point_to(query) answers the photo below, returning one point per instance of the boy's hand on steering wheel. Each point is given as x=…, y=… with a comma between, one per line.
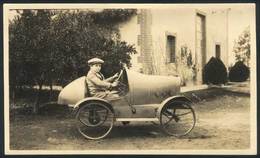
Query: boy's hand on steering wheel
x=115, y=84
x=115, y=76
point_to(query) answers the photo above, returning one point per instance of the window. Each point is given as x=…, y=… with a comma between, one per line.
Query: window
x=171, y=48
x=217, y=50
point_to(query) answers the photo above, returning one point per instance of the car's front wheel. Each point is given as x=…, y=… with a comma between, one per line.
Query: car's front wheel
x=177, y=118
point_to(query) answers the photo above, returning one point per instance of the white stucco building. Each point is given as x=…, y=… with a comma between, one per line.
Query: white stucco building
x=159, y=35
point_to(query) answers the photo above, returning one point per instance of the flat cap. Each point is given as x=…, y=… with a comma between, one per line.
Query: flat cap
x=95, y=61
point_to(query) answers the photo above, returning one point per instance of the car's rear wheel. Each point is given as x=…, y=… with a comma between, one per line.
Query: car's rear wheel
x=177, y=118
x=94, y=120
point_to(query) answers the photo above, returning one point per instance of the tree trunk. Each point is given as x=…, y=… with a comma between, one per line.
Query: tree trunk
x=13, y=95
x=36, y=105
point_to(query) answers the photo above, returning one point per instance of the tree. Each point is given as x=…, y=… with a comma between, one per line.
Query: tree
x=81, y=35
x=30, y=49
x=52, y=46
x=242, y=47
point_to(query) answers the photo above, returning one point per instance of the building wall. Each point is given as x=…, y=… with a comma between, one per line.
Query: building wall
x=177, y=22
x=149, y=29
x=217, y=33
x=129, y=32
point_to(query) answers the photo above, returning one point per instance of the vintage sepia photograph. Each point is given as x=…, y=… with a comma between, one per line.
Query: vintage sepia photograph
x=153, y=79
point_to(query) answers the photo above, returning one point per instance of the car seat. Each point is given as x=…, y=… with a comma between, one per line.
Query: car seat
x=87, y=93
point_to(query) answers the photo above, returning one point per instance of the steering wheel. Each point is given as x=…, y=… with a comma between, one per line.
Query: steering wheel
x=121, y=86
x=119, y=76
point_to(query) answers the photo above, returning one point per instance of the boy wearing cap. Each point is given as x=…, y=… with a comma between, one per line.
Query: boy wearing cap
x=98, y=86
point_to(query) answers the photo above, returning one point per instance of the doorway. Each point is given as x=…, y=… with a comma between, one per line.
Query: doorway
x=200, y=46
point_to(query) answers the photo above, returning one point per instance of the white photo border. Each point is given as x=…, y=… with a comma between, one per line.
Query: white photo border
x=253, y=96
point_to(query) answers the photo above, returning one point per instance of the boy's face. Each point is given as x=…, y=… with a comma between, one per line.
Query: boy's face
x=96, y=67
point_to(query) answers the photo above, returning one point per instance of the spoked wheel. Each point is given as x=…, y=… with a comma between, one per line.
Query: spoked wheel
x=177, y=118
x=94, y=120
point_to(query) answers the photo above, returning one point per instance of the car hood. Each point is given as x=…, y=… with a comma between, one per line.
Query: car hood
x=150, y=89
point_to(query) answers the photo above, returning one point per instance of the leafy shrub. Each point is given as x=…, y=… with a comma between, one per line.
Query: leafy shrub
x=51, y=47
x=239, y=72
x=215, y=72
x=185, y=66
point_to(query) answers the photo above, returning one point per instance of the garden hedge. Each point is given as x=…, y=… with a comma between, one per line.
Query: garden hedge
x=215, y=72
x=239, y=72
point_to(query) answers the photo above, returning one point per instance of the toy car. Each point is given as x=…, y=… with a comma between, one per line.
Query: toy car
x=143, y=98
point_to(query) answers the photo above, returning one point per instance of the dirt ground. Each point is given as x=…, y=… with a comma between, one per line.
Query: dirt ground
x=223, y=122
